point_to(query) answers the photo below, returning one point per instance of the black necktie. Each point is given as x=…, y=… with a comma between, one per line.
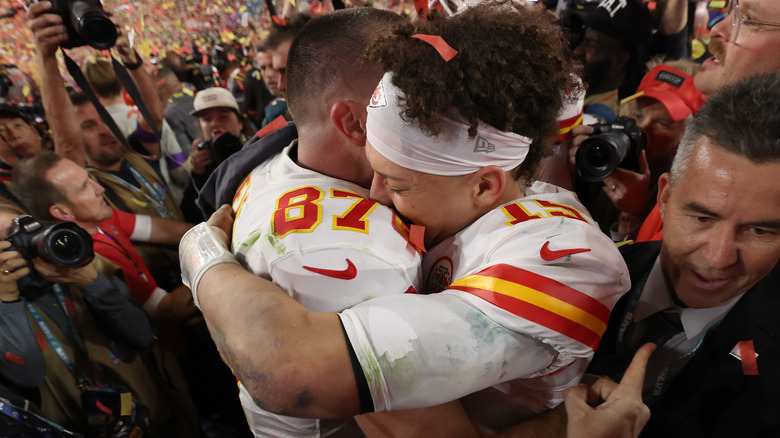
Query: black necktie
x=661, y=327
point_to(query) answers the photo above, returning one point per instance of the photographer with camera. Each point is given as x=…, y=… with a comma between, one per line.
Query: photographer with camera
x=55, y=188
x=81, y=135
x=618, y=164
x=90, y=330
x=224, y=132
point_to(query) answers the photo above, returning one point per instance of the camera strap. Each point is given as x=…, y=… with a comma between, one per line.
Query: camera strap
x=129, y=85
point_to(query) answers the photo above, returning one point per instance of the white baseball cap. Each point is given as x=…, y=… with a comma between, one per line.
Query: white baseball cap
x=214, y=97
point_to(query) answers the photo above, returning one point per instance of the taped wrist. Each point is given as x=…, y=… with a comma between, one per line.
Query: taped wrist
x=200, y=249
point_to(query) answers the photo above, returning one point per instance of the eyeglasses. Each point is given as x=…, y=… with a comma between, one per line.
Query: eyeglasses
x=737, y=20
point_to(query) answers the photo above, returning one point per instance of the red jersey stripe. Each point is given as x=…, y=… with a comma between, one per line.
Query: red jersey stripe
x=550, y=287
x=537, y=315
x=541, y=300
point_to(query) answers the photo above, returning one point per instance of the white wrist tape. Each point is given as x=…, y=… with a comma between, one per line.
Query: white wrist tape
x=199, y=250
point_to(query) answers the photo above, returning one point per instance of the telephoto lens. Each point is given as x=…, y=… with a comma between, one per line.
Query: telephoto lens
x=612, y=145
x=63, y=244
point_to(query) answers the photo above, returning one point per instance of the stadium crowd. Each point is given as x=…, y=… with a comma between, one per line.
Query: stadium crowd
x=352, y=218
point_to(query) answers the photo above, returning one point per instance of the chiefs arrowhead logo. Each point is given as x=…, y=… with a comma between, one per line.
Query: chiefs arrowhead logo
x=378, y=99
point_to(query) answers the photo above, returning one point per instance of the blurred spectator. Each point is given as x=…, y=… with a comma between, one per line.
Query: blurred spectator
x=97, y=332
x=742, y=45
x=178, y=104
x=17, y=87
x=260, y=87
x=611, y=40
x=20, y=138
x=191, y=70
x=670, y=39
x=278, y=43
x=228, y=60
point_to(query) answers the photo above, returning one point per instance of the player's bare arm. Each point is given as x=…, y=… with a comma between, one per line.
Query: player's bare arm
x=258, y=329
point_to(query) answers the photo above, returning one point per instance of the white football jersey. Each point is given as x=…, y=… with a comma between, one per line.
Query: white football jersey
x=327, y=245
x=527, y=292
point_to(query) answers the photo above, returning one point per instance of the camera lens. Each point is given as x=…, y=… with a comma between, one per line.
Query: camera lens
x=98, y=30
x=67, y=245
x=224, y=146
x=598, y=155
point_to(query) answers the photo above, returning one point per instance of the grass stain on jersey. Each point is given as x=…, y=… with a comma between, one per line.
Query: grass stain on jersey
x=252, y=238
x=276, y=244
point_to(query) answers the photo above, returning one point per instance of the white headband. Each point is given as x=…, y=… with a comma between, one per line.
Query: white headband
x=450, y=153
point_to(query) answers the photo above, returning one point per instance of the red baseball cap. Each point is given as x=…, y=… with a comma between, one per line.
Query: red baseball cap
x=674, y=89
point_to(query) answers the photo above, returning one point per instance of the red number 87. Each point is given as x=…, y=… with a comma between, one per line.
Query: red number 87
x=300, y=211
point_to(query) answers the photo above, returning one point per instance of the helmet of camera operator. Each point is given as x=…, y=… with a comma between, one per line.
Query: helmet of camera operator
x=11, y=112
x=673, y=88
x=214, y=97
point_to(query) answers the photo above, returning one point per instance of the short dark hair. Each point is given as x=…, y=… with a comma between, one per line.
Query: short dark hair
x=328, y=54
x=35, y=192
x=78, y=98
x=511, y=71
x=101, y=77
x=742, y=118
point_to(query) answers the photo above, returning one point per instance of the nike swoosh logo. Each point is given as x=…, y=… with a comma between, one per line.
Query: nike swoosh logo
x=548, y=254
x=344, y=274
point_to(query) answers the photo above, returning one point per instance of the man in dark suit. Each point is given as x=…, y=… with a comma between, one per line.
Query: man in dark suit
x=708, y=294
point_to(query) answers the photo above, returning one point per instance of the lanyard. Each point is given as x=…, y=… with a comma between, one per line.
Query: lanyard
x=152, y=196
x=118, y=245
x=55, y=344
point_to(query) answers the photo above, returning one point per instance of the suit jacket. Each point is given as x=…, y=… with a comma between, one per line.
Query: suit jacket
x=711, y=397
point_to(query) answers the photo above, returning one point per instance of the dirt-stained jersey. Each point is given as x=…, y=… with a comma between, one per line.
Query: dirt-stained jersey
x=325, y=243
x=527, y=292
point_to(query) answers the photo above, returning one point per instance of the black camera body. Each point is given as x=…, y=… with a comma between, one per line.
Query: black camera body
x=87, y=23
x=200, y=76
x=222, y=147
x=63, y=244
x=611, y=145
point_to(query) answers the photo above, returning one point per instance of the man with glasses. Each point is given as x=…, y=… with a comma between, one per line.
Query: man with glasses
x=747, y=42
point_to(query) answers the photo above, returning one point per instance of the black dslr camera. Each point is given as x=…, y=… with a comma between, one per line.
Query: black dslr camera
x=87, y=23
x=63, y=244
x=611, y=145
x=222, y=147
x=200, y=76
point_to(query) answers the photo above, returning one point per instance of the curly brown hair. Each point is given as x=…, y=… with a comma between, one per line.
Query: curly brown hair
x=510, y=72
